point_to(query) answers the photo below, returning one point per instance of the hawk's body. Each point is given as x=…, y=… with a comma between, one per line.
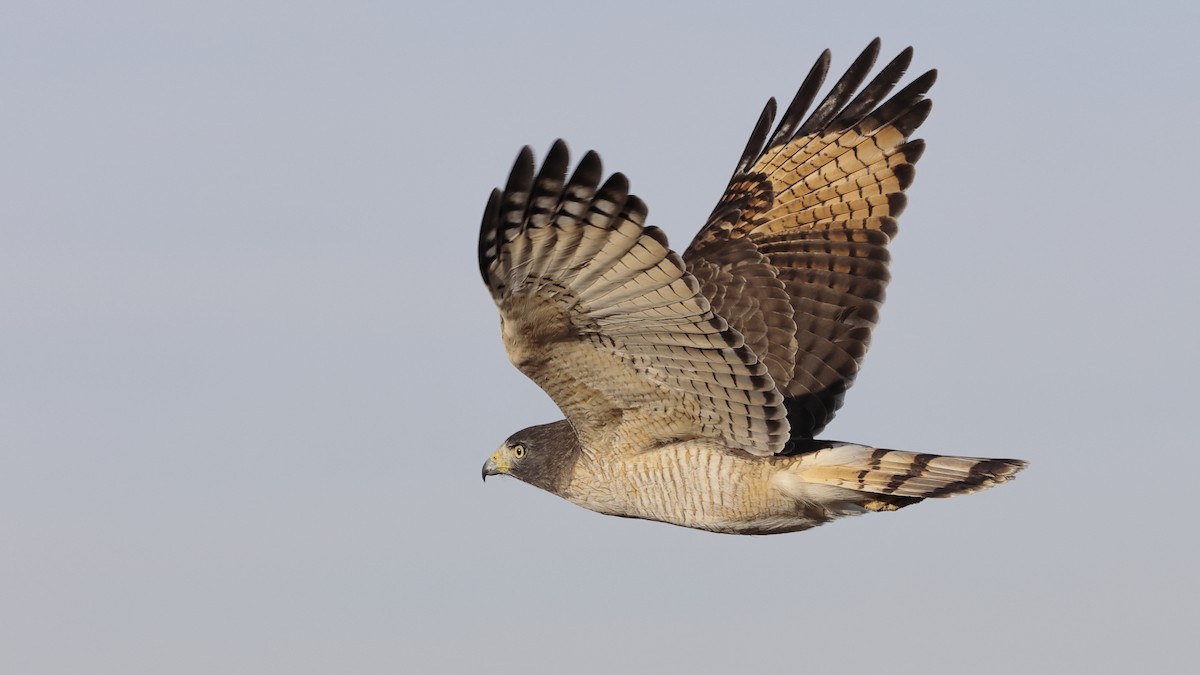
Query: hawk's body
x=702, y=484
x=693, y=386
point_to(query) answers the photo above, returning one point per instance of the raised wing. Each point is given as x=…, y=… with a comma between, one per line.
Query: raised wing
x=601, y=314
x=795, y=254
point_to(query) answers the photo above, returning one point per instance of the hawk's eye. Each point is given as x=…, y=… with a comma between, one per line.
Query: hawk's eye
x=518, y=451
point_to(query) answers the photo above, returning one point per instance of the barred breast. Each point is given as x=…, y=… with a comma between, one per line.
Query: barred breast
x=695, y=484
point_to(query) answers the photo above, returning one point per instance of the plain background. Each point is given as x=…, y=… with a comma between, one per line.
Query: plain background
x=248, y=373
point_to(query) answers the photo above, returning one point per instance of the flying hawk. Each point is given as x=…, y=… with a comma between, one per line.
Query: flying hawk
x=694, y=386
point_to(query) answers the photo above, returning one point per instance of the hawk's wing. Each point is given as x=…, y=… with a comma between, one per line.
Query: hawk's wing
x=597, y=310
x=795, y=254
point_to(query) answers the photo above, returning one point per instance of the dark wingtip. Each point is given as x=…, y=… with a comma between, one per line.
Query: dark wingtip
x=657, y=235
x=821, y=65
x=617, y=183
x=557, y=159
x=842, y=90
x=635, y=209
x=873, y=48
x=909, y=121
x=521, y=175
x=554, y=167
x=487, y=233
x=913, y=150
x=525, y=156
x=589, y=170
x=754, y=146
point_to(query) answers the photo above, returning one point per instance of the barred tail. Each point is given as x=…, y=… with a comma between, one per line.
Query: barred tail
x=890, y=479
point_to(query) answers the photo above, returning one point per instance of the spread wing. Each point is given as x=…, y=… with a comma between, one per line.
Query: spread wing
x=795, y=254
x=602, y=315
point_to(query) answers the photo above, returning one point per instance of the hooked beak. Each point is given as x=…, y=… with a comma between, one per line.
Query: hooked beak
x=490, y=468
x=500, y=462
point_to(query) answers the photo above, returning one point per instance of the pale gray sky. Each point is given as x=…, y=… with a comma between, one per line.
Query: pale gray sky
x=248, y=373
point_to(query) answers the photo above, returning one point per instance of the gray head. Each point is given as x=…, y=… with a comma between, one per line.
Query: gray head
x=543, y=456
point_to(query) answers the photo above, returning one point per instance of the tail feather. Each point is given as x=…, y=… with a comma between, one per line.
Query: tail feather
x=892, y=479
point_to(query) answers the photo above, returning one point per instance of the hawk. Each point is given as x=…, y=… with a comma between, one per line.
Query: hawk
x=693, y=387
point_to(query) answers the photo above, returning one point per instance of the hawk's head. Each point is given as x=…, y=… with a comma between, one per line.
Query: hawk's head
x=543, y=456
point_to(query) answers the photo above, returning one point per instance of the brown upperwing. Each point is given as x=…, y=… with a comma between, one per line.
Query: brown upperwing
x=795, y=254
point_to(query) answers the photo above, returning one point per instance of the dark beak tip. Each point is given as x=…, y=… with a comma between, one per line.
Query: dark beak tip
x=489, y=469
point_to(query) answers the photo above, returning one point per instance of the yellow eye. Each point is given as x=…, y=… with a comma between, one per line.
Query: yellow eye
x=518, y=451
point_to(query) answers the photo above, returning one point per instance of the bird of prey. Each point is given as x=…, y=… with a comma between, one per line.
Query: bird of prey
x=694, y=386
